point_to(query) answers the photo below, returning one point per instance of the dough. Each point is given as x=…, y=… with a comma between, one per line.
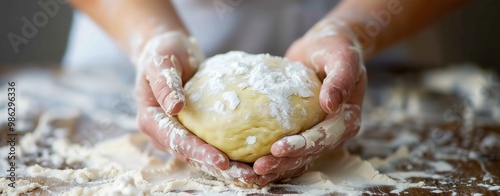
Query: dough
x=242, y=103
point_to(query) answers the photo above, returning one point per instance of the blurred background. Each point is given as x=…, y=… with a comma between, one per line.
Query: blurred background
x=450, y=111
x=471, y=34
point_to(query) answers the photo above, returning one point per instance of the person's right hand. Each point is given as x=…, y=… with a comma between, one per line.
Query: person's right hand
x=332, y=51
x=166, y=62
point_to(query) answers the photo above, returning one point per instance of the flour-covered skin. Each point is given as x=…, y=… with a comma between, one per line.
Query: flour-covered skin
x=293, y=153
x=168, y=60
x=173, y=137
x=245, y=102
x=333, y=52
x=165, y=62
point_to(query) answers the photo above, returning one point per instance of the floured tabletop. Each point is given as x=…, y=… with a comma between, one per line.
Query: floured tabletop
x=432, y=132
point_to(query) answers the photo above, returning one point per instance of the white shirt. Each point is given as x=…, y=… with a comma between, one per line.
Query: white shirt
x=257, y=26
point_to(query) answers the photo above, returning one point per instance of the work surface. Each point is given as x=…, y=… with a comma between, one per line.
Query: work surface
x=434, y=132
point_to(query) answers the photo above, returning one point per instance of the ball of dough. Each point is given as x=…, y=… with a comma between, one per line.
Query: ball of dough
x=242, y=103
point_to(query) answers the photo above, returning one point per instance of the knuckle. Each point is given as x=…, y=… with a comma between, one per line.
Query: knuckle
x=162, y=92
x=163, y=100
x=164, y=50
x=341, y=85
x=345, y=82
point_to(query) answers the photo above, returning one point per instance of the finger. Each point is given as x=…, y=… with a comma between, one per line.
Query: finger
x=180, y=157
x=157, y=145
x=149, y=129
x=243, y=172
x=237, y=171
x=164, y=62
x=336, y=57
x=338, y=85
x=166, y=84
x=352, y=108
x=172, y=135
x=312, y=141
x=342, y=66
x=270, y=164
x=177, y=138
x=266, y=179
x=144, y=96
x=194, y=151
x=327, y=132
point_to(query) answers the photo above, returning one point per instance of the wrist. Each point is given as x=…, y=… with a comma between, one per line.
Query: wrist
x=343, y=31
x=140, y=35
x=162, y=44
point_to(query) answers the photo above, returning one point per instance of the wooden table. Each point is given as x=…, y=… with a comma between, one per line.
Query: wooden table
x=445, y=131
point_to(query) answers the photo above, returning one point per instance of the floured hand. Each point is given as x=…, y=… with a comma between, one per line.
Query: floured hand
x=331, y=50
x=166, y=62
x=168, y=134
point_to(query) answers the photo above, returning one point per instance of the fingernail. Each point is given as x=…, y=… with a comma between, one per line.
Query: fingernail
x=173, y=102
x=333, y=102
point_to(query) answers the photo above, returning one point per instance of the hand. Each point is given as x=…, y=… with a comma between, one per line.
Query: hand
x=331, y=50
x=166, y=62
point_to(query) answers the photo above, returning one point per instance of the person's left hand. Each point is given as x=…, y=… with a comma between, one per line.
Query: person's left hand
x=331, y=50
x=168, y=60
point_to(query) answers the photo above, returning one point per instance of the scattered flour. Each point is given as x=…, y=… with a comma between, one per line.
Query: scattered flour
x=441, y=166
x=414, y=174
x=128, y=164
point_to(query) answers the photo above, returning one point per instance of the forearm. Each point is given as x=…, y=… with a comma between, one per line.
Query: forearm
x=379, y=23
x=132, y=22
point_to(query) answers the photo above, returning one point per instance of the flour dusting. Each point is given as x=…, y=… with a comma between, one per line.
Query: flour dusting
x=251, y=140
x=232, y=99
x=262, y=74
x=80, y=143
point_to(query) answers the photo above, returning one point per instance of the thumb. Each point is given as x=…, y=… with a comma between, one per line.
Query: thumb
x=168, y=60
